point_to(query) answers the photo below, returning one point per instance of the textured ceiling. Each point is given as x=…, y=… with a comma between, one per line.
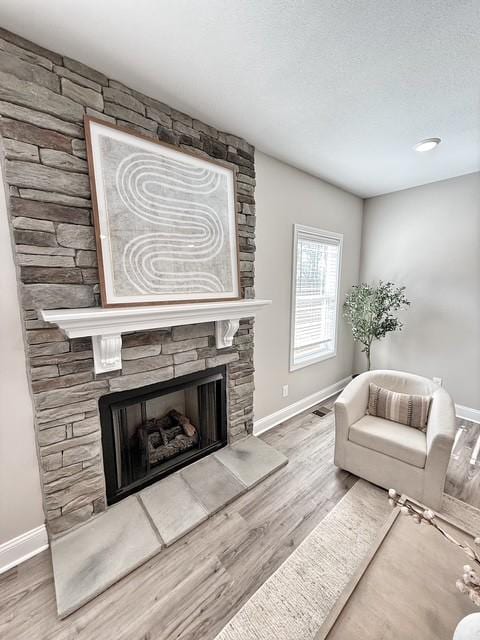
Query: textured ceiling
x=339, y=88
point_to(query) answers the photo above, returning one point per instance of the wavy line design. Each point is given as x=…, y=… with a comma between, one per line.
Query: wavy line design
x=175, y=199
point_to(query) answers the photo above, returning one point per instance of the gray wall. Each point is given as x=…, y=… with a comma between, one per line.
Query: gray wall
x=20, y=496
x=286, y=196
x=428, y=238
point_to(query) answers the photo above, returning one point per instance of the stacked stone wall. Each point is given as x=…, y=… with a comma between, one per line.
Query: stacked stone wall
x=43, y=99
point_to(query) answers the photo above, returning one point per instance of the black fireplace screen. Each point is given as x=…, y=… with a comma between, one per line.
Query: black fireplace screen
x=150, y=432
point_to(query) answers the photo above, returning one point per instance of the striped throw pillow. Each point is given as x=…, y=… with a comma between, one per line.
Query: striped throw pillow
x=399, y=407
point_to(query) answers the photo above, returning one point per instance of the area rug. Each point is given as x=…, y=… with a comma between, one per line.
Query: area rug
x=294, y=602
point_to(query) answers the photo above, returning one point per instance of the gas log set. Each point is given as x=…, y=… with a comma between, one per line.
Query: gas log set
x=163, y=438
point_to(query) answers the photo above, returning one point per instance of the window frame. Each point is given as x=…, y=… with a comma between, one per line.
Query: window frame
x=317, y=234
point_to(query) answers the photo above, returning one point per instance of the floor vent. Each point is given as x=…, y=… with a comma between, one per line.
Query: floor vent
x=322, y=412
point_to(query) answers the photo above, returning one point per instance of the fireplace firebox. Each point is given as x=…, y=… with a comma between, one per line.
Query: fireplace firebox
x=150, y=432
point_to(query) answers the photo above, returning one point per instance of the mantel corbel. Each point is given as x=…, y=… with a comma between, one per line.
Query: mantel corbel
x=107, y=352
x=224, y=332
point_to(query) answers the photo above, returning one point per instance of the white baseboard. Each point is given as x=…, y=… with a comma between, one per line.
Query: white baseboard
x=22, y=547
x=264, y=424
x=467, y=413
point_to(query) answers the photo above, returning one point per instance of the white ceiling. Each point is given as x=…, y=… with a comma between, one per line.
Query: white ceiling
x=339, y=88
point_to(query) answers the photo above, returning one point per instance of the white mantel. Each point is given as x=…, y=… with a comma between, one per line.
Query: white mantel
x=105, y=326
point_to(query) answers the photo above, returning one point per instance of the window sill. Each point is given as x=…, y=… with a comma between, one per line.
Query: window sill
x=307, y=363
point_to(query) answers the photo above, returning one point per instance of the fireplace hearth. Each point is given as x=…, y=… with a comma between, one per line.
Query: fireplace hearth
x=150, y=432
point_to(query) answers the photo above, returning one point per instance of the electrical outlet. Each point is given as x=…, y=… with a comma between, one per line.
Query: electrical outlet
x=438, y=381
x=285, y=390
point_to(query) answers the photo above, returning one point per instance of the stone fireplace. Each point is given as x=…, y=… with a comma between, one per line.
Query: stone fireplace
x=43, y=99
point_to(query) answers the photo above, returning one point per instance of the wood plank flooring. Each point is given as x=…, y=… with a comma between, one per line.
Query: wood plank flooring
x=190, y=590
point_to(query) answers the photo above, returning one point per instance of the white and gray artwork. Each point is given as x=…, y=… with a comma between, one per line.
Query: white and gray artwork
x=166, y=221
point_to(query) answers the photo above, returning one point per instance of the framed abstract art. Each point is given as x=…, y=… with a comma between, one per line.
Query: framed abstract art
x=165, y=221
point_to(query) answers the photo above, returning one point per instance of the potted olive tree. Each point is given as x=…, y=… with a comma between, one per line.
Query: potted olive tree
x=371, y=312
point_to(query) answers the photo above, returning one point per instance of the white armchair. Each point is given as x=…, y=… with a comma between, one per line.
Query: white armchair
x=391, y=454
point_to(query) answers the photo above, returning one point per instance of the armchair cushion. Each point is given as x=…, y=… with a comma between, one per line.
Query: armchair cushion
x=408, y=409
x=390, y=438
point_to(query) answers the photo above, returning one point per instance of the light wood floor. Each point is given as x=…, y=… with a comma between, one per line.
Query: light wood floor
x=192, y=589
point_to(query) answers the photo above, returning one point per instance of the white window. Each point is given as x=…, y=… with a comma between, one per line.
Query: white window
x=317, y=256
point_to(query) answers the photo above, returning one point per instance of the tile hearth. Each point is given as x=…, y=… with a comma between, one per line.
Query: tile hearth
x=88, y=560
x=173, y=507
x=212, y=483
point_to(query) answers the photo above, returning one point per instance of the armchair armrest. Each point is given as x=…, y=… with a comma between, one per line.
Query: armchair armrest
x=441, y=430
x=441, y=425
x=349, y=407
x=352, y=403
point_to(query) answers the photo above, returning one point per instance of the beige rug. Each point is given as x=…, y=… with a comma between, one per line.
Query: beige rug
x=294, y=602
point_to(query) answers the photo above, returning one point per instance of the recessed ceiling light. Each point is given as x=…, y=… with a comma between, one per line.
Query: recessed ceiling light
x=427, y=145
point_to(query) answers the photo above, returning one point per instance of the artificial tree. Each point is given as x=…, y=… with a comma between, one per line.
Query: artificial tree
x=371, y=309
